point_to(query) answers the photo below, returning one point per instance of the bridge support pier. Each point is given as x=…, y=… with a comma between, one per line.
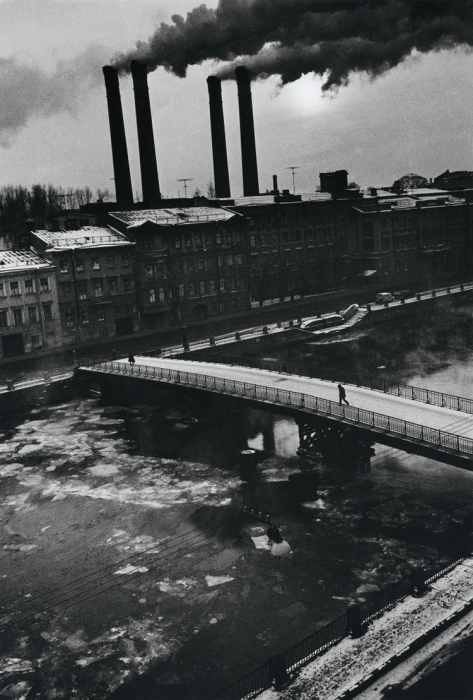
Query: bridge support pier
x=332, y=442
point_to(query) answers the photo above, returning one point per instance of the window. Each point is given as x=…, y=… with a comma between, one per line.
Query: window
x=95, y=263
x=198, y=240
x=36, y=341
x=200, y=264
x=69, y=318
x=98, y=289
x=190, y=266
x=177, y=243
x=222, y=285
x=33, y=314
x=79, y=264
x=2, y=290
x=238, y=237
x=208, y=239
x=111, y=262
x=152, y=296
x=181, y=290
x=84, y=318
x=17, y=317
x=191, y=289
x=66, y=291
x=3, y=319
x=368, y=237
x=240, y=259
x=63, y=266
x=14, y=289
x=100, y=315
x=218, y=238
x=253, y=241
x=229, y=260
x=44, y=284
x=48, y=312
x=220, y=261
x=125, y=260
x=29, y=287
x=149, y=271
x=241, y=283
x=231, y=284
x=150, y=243
x=212, y=287
x=202, y=287
x=161, y=295
x=188, y=241
x=82, y=290
x=128, y=284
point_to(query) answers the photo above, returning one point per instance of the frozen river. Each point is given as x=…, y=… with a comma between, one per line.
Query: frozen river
x=124, y=553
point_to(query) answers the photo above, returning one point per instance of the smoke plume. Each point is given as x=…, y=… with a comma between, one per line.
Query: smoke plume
x=332, y=38
x=27, y=92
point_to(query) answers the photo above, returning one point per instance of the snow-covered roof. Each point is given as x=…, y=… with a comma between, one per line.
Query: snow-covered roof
x=85, y=237
x=172, y=217
x=21, y=260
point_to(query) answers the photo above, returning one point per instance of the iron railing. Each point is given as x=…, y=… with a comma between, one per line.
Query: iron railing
x=302, y=402
x=305, y=650
x=329, y=635
x=415, y=393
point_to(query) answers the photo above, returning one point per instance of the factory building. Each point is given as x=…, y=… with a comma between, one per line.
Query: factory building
x=29, y=314
x=191, y=263
x=96, y=281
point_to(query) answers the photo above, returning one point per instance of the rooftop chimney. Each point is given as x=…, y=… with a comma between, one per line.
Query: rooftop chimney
x=121, y=166
x=144, y=123
x=219, y=144
x=247, y=133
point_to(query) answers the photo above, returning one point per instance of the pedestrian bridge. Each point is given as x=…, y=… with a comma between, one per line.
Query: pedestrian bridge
x=437, y=432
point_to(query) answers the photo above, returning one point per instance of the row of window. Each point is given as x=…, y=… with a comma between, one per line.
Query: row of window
x=321, y=236
x=17, y=317
x=198, y=240
x=84, y=317
x=98, y=288
x=96, y=263
x=28, y=286
x=267, y=219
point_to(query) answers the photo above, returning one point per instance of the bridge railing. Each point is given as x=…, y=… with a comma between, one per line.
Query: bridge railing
x=407, y=391
x=303, y=402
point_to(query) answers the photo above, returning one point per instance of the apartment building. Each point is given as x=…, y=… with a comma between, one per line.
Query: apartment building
x=191, y=263
x=95, y=270
x=29, y=313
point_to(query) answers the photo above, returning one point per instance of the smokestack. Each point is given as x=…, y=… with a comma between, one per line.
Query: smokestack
x=275, y=184
x=247, y=133
x=219, y=144
x=121, y=165
x=144, y=123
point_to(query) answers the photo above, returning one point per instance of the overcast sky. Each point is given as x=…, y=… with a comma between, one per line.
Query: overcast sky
x=416, y=117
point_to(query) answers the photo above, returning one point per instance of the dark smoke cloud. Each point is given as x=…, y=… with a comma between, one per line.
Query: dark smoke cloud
x=293, y=37
x=27, y=92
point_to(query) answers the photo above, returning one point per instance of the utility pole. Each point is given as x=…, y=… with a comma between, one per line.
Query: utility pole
x=293, y=168
x=185, y=180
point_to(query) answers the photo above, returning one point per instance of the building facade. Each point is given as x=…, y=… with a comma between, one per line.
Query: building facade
x=96, y=281
x=191, y=263
x=401, y=239
x=29, y=313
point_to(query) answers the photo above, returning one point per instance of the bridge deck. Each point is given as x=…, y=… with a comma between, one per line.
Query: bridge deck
x=435, y=417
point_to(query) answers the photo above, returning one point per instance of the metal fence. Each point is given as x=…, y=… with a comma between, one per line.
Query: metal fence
x=305, y=650
x=427, y=396
x=302, y=402
x=321, y=640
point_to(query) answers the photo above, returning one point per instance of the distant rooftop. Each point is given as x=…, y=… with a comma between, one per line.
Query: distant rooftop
x=172, y=217
x=85, y=237
x=21, y=260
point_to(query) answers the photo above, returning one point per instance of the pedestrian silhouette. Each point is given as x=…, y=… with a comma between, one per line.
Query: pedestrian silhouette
x=131, y=359
x=342, y=395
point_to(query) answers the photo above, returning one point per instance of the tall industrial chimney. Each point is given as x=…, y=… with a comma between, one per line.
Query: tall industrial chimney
x=219, y=144
x=144, y=123
x=121, y=165
x=247, y=133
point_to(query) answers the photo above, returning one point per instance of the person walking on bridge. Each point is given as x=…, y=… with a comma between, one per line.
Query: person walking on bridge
x=342, y=395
